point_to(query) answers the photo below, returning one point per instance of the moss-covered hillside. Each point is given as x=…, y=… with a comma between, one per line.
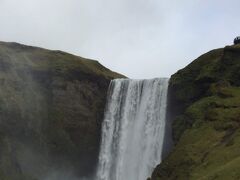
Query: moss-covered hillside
x=204, y=101
x=51, y=107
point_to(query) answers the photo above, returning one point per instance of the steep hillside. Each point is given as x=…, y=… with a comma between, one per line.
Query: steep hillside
x=51, y=107
x=204, y=101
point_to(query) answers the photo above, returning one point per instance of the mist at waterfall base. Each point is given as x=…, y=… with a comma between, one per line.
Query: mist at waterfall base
x=133, y=129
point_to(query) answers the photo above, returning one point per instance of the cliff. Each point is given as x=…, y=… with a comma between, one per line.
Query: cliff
x=204, y=105
x=51, y=107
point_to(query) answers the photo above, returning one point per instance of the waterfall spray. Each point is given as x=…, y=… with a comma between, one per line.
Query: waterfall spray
x=133, y=129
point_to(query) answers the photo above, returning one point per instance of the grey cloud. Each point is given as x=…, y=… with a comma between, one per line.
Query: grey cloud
x=139, y=38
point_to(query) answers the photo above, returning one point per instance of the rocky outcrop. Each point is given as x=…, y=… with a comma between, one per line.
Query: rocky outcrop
x=204, y=101
x=51, y=107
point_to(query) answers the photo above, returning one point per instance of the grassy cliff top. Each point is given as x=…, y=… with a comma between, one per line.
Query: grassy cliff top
x=22, y=55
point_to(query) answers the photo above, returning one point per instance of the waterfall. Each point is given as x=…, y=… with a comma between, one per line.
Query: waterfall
x=133, y=129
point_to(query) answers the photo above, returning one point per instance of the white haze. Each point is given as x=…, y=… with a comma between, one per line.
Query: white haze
x=139, y=38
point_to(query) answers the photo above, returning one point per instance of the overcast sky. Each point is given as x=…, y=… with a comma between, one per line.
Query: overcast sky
x=138, y=38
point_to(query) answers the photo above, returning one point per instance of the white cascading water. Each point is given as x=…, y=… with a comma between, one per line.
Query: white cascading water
x=133, y=129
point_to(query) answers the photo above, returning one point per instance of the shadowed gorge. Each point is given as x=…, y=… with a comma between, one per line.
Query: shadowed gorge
x=51, y=108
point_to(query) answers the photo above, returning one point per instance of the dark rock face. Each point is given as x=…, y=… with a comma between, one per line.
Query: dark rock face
x=51, y=107
x=168, y=139
x=204, y=105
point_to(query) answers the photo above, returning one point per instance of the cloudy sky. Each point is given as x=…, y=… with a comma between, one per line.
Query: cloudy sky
x=139, y=38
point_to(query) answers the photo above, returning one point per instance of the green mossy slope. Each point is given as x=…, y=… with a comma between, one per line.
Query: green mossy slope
x=51, y=107
x=205, y=105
